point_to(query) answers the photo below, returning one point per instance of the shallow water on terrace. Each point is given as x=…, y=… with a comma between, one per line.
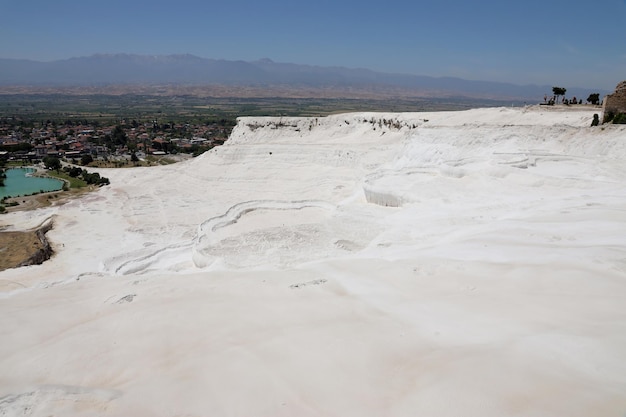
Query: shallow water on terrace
x=19, y=182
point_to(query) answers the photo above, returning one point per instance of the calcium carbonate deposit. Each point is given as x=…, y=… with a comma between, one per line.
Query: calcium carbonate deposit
x=465, y=263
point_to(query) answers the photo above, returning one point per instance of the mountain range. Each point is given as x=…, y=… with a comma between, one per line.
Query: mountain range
x=107, y=69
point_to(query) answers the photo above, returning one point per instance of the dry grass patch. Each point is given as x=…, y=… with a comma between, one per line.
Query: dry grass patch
x=16, y=248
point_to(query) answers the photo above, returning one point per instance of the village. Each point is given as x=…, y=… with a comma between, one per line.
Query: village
x=112, y=144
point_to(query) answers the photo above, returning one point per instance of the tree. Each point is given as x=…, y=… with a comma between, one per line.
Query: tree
x=3, y=175
x=51, y=162
x=86, y=160
x=119, y=136
x=74, y=172
x=558, y=91
x=594, y=98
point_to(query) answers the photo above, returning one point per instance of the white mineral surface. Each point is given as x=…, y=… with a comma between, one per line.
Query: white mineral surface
x=465, y=263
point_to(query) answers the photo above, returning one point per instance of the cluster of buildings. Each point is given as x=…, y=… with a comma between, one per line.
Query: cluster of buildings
x=28, y=141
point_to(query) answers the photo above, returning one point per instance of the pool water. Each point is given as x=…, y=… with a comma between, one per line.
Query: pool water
x=19, y=182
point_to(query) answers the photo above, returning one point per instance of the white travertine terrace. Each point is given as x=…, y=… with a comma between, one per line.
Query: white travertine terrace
x=466, y=263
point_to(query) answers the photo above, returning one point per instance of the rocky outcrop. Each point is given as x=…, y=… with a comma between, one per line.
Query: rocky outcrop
x=615, y=103
x=44, y=252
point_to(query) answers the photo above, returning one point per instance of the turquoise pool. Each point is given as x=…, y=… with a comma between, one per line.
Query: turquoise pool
x=19, y=182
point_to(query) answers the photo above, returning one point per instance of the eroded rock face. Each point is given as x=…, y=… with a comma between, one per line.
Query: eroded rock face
x=44, y=252
x=616, y=103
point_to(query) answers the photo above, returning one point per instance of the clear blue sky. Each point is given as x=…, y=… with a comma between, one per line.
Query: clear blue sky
x=555, y=42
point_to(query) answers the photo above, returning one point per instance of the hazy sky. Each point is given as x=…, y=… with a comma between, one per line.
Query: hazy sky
x=554, y=42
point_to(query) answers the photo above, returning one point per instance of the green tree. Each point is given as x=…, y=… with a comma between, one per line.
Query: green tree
x=74, y=172
x=86, y=160
x=51, y=162
x=558, y=91
x=594, y=98
x=119, y=136
x=3, y=174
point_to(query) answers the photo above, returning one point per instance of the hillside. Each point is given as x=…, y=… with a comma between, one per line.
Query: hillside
x=185, y=70
x=464, y=263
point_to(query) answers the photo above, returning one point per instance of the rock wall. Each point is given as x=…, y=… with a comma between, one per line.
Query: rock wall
x=615, y=103
x=44, y=252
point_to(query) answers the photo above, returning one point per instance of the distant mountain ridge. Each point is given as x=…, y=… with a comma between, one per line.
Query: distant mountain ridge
x=102, y=69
